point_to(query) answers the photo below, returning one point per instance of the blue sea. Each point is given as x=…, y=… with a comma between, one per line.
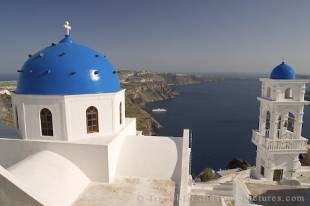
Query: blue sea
x=221, y=116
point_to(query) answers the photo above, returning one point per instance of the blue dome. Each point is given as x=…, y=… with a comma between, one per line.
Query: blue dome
x=283, y=71
x=67, y=68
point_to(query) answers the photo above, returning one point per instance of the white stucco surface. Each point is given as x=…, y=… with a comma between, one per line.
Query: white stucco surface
x=107, y=105
x=68, y=114
x=13, y=193
x=184, y=178
x=28, y=107
x=53, y=179
x=150, y=157
x=91, y=159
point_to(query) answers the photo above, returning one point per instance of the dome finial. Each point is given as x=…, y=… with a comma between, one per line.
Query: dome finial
x=67, y=28
x=283, y=60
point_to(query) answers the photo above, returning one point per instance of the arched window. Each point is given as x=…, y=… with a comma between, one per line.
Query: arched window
x=46, y=122
x=120, y=113
x=290, y=122
x=267, y=126
x=92, y=119
x=16, y=118
x=288, y=94
x=268, y=92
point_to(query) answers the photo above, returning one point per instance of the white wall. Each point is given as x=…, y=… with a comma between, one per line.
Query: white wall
x=183, y=182
x=69, y=114
x=115, y=146
x=13, y=193
x=278, y=87
x=108, y=113
x=151, y=157
x=91, y=159
x=29, y=107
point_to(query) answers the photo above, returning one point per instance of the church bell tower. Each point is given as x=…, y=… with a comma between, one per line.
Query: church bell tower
x=279, y=138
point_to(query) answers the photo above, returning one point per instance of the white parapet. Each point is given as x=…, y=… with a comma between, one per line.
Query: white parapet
x=284, y=144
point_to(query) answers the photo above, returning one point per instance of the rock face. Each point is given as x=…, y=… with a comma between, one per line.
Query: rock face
x=6, y=109
x=149, y=92
x=237, y=163
x=183, y=79
x=206, y=175
x=143, y=87
x=138, y=94
x=305, y=160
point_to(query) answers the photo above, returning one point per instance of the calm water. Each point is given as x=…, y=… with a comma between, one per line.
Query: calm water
x=7, y=132
x=221, y=116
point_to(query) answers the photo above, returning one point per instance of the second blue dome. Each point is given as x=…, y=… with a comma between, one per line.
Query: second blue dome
x=283, y=71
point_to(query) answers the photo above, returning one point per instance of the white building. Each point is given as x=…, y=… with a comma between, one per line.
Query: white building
x=278, y=139
x=69, y=111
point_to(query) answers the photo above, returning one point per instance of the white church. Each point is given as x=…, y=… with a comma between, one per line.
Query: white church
x=76, y=146
x=69, y=111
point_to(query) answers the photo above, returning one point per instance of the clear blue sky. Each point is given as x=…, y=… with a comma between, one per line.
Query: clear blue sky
x=164, y=35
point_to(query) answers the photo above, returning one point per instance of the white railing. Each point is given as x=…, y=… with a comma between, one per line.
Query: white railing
x=286, y=144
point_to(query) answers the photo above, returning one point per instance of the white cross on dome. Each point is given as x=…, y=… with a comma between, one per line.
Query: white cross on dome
x=67, y=27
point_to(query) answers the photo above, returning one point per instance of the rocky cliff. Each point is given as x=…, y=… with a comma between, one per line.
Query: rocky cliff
x=6, y=109
x=143, y=87
x=138, y=94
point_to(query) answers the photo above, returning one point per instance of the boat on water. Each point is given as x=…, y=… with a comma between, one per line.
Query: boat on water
x=159, y=110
